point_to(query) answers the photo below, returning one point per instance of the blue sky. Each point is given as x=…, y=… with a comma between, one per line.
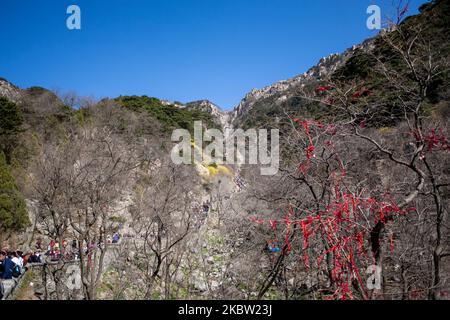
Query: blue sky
x=180, y=50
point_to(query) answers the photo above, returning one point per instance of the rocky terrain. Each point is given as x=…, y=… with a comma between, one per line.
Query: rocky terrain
x=8, y=90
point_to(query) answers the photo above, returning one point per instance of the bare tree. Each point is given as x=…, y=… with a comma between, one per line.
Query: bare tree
x=162, y=219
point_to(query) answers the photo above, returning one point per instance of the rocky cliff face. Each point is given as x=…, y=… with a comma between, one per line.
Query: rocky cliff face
x=205, y=106
x=276, y=93
x=285, y=89
x=222, y=118
x=9, y=90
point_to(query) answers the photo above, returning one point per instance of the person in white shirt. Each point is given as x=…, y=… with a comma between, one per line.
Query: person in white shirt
x=16, y=260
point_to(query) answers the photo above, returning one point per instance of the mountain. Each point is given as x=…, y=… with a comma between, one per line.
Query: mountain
x=9, y=90
x=220, y=117
x=205, y=106
x=364, y=178
x=283, y=91
x=262, y=106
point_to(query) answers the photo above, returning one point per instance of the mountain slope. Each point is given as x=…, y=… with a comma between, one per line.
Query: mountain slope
x=263, y=106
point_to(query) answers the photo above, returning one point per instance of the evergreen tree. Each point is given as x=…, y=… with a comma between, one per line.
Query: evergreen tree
x=13, y=213
x=11, y=120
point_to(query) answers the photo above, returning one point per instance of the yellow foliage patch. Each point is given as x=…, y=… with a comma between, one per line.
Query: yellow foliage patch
x=385, y=130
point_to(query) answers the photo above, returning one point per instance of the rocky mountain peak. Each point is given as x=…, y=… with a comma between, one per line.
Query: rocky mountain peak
x=9, y=90
x=206, y=106
x=221, y=117
x=324, y=67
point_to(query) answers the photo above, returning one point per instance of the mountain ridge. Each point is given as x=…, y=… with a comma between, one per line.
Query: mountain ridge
x=279, y=92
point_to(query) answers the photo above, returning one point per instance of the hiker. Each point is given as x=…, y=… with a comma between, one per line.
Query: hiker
x=34, y=258
x=2, y=265
x=205, y=208
x=7, y=266
x=38, y=244
x=239, y=182
x=55, y=253
x=26, y=258
x=18, y=259
x=15, y=258
x=50, y=247
x=38, y=256
x=74, y=245
x=54, y=256
x=116, y=238
x=272, y=248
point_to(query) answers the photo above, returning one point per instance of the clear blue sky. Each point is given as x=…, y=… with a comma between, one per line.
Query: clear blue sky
x=175, y=49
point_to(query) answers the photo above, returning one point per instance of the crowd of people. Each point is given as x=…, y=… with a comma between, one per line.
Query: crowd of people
x=71, y=253
x=12, y=263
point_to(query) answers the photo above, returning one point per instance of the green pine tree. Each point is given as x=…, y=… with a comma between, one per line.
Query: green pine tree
x=13, y=212
x=11, y=120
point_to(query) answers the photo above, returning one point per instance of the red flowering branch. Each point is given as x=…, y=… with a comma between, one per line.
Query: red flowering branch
x=344, y=224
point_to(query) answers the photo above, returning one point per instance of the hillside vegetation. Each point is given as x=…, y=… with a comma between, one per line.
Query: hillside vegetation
x=358, y=210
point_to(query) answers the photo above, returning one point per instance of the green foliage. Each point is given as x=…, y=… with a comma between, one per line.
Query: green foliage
x=430, y=5
x=434, y=25
x=170, y=116
x=13, y=213
x=359, y=65
x=11, y=120
x=81, y=116
x=37, y=91
x=117, y=219
x=11, y=117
